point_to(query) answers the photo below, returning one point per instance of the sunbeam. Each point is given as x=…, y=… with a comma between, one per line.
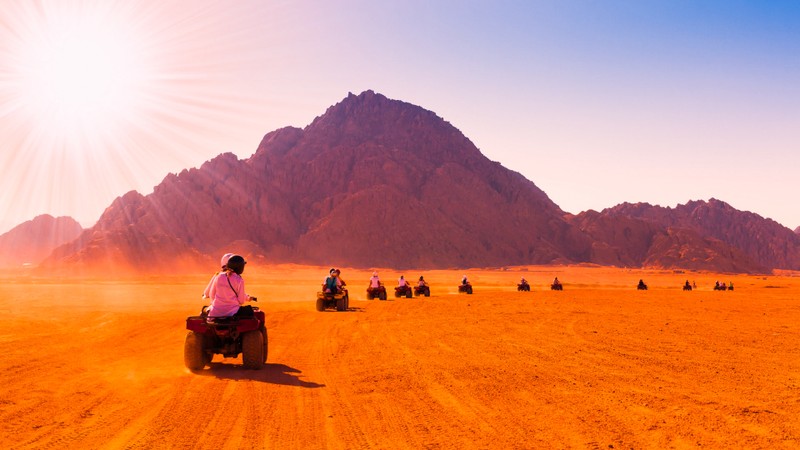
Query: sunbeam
x=101, y=97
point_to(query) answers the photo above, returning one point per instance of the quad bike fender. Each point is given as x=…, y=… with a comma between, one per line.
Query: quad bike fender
x=196, y=324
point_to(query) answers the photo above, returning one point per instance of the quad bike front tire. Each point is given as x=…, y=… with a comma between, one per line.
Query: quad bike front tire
x=194, y=354
x=320, y=304
x=346, y=302
x=253, y=350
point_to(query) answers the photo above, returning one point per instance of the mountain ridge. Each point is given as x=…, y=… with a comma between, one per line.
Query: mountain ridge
x=376, y=182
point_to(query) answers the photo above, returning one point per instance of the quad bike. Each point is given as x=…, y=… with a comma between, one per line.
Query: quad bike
x=340, y=300
x=465, y=288
x=378, y=292
x=687, y=287
x=557, y=287
x=403, y=291
x=524, y=287
x=228, y=336
x=641, y=287
x=422, y=290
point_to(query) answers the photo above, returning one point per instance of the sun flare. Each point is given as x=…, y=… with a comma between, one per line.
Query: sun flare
x=82, y=74
x=99, y=97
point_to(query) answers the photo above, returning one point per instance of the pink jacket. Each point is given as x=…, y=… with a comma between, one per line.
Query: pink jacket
x=224, y=302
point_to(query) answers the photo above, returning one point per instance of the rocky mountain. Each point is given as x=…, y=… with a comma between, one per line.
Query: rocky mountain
x=32, y=241
x=372, y=182
x=375, y=182
x=698, y=235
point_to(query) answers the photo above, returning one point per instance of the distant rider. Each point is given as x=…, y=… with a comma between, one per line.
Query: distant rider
x=332, y=282
x=339, y=281
x=374, y=281
x=422, y=282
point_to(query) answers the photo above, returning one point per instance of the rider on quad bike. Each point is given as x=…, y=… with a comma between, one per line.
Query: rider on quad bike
x=403, y=289
x=227, y=326
x=422, y=288
x=376, y=289
x=333, y=293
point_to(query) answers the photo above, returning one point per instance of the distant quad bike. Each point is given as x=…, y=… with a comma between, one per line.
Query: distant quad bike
x=403, y=291
x=378, y=292
x=524, y=287
x=641, y=287
x=228, y=336
x=327, y=300
x=557, y=287
x=465, y=288
x=687, y=287
x=422, y=290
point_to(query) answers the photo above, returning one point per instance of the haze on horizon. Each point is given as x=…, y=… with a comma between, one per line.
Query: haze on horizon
x=597, y=103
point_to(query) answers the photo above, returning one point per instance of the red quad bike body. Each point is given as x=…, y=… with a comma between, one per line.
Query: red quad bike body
x=228, y=336
x=403, y=291
x=378, y=292
x=422, y=290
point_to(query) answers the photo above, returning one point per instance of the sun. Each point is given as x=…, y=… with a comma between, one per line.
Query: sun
x=82, y=74
x=100, y=97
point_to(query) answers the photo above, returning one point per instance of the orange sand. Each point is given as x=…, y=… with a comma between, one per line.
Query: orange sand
x=99, y=364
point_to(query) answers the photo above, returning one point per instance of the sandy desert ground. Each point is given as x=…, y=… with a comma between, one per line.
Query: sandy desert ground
x=99, y=364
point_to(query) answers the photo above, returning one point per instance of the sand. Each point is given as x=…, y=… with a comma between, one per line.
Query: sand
x=99, y=364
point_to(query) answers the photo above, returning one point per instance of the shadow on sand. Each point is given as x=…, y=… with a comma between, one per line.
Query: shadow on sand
x=270, y=373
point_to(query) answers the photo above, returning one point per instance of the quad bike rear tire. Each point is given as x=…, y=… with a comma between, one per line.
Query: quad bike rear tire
x=409, y=293
x=382, y=296
x=427, y=292
x=194, y=354
x=320, y=304
x=340, y=304
x=253, y=350
x=347, y=301
x=266, y=343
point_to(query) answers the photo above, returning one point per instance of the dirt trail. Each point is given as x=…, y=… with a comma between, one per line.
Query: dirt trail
x=595, y=366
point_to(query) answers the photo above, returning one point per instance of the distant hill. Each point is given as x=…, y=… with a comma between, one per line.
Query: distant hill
x=375, y=182
x=708, y=235
x=30, y=242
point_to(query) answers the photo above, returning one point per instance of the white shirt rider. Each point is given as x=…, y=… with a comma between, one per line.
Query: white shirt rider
x=374, y=282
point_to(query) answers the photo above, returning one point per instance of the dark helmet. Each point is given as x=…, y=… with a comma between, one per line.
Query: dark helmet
x=420, y=277
x=236, y=263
